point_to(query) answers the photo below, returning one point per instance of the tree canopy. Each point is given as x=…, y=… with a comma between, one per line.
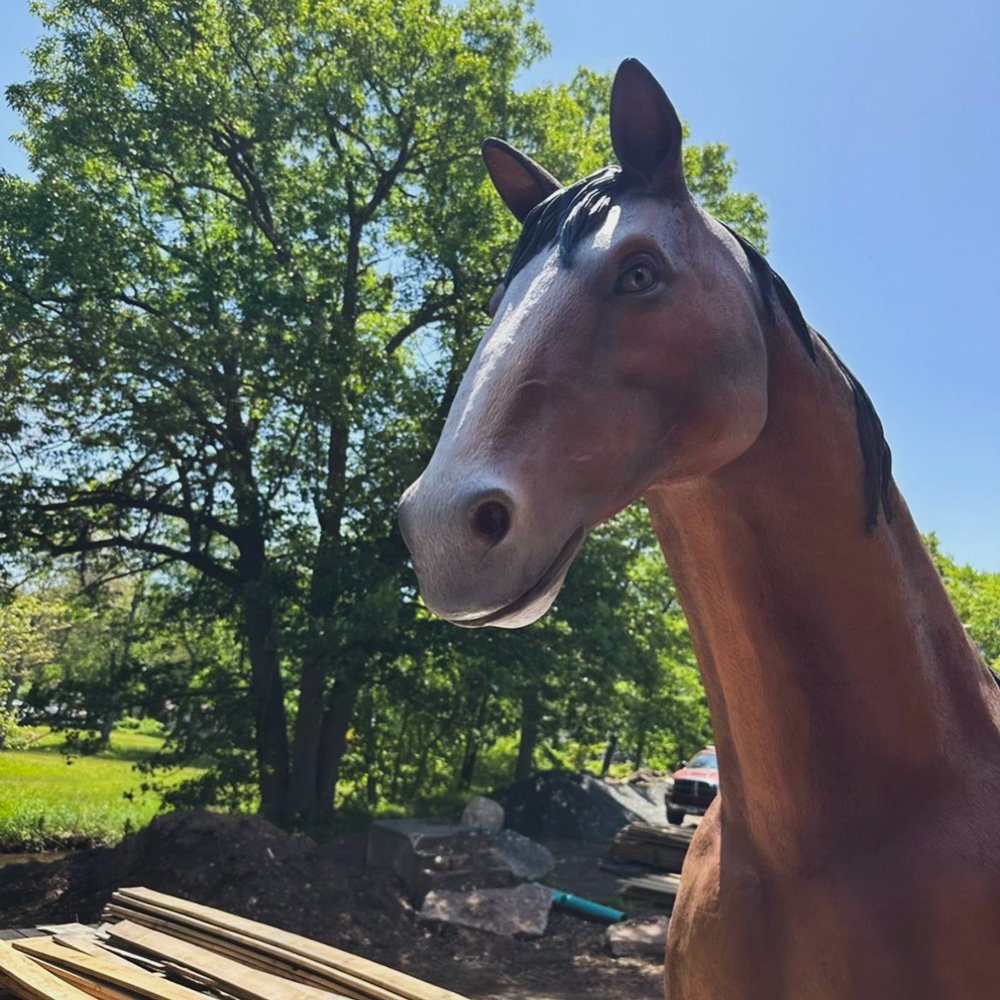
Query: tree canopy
x=236, y=297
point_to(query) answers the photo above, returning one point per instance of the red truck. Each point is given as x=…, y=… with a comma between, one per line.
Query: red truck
x=690, y=789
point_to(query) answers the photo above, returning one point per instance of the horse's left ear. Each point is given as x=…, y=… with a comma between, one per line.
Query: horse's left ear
x=520, y=181
x=645, y=130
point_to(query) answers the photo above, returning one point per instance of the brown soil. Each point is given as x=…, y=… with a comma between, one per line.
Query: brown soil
x=247, y=866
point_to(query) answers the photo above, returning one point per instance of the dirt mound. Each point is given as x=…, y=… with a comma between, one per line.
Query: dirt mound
x=238, y=863
x=245, y=865
x=574, y=806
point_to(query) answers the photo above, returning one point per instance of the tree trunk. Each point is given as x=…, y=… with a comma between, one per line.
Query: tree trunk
x=420, y=775
x=108, y=720
x=609, y=754
x=640, y=749
x=314, y=742
x=397, y=763
x=468, y=768
x=371, y=749
x=267, y=697
x=531, y=713
x=472, y=742
x=333, y=743
x=306, y=752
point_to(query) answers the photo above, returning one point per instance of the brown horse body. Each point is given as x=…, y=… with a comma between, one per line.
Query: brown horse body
x=851, y=855
x=853, y=852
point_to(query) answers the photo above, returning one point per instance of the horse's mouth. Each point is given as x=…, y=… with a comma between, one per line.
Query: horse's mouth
x=556, y=570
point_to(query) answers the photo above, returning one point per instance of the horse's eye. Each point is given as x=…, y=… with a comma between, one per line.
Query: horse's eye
x=638, y=278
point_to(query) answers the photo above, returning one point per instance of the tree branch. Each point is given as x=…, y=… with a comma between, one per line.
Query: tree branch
x=198, y=560
x=428, y=313
x=125, y=501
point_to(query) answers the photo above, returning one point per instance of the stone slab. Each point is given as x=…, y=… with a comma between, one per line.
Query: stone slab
x=526, y=858
x=522, y=911
x=647, y=938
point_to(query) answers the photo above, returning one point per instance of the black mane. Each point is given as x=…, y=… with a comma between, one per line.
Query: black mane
x=567, y=215
x=571, y=213
x=874, y=448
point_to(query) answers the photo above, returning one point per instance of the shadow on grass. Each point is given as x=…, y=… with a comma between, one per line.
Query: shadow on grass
x=133, y=748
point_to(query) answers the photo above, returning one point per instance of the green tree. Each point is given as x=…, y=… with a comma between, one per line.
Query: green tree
x=30, y=624
x=237, y=296
x=976, y=596
x=93, y=669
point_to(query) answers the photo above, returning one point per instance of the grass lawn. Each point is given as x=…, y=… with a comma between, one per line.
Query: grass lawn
x=50, y=800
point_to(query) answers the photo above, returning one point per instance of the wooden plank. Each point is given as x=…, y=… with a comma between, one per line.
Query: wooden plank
x=92, y=987
x=653, y=846
x=662, y=887
x=236, y=978
x=75, y=930
x=260, y=954
x=408, y=987
x=108, y=969
x=8, y=986
x=280, y=964
x=26, y=978
x=220, y=945
x=299, y=970
x=88, y=946
x=672, y=882
x=143, y=961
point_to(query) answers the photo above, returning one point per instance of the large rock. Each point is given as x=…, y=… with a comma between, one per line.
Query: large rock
x=483, y=814
x=428, y=854
x=524, y=857
x=571, y=806
x=639, y=937
x=519, y=912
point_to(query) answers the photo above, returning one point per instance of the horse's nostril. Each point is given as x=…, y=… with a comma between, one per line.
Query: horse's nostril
x=491, y=521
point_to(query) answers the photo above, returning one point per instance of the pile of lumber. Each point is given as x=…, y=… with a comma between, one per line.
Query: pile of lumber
x=164, y=948
x=661, y=888
x=662, y=848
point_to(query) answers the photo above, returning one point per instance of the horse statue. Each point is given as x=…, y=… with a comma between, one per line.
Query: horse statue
x=640, y=348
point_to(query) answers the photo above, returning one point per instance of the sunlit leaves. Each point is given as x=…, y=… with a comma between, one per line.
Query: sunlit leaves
x=976, y=597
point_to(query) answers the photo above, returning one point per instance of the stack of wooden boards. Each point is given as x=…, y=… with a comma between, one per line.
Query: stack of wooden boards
x=660, y=847
x=661, y=888
x=165, y=948
x=653, y=847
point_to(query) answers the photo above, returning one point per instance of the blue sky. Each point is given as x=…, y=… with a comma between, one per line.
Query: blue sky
x=870, y=129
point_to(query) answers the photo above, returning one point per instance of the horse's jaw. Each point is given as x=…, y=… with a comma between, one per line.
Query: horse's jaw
x=537, y=599
x=472, y=581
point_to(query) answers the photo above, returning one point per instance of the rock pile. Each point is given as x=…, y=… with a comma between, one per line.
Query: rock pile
x=572, y=806
x=473, y=875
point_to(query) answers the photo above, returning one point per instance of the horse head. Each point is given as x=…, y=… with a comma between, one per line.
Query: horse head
x=627, y=349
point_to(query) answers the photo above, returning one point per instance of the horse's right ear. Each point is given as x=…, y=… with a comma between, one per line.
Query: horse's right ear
x=520, y=181
x=645, y=130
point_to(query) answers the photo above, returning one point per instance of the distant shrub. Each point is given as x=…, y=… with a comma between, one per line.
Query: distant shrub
x=18, y=737
x=147, y=726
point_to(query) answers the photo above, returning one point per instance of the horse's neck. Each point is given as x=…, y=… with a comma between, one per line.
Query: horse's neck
x=844, y=693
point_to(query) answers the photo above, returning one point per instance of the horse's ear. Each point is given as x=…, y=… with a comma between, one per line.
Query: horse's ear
x=520, y=181
x=645, y=130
